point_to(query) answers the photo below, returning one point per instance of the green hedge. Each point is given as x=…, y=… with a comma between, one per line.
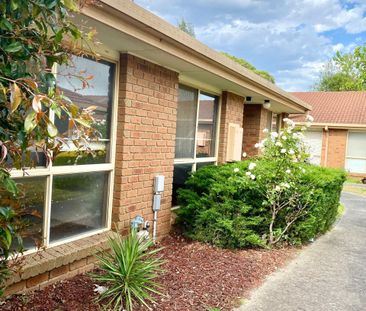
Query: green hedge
x=215, y=207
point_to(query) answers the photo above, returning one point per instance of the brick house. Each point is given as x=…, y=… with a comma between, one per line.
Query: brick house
x=166, y=105
x=338, y=135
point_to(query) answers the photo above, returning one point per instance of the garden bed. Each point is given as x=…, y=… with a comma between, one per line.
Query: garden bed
x=197, y=277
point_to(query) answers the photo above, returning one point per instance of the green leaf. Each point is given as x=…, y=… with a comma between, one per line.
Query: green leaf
x=30, y=122
x=10, y=185
x=83, y=122
x=15, y=97
x=51, y=129
x=71, y=5
x=14, y=47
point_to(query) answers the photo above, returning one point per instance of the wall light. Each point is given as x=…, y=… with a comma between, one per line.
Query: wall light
x=267, y=104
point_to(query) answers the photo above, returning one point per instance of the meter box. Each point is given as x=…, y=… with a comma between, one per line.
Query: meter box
x=159, y=183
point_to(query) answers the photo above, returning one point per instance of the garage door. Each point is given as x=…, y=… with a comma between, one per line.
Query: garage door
x=314, y=141
x=356, y=152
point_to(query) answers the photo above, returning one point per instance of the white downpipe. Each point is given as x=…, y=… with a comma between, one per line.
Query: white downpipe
x=155, y=225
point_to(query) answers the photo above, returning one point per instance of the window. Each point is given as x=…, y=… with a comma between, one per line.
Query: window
x=72, y=194
x=356, y=152
x=195, y=145
x=273, y=122
x=313, y=140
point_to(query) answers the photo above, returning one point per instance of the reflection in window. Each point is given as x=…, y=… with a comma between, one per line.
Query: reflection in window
x=78, y=204
x=99, y=94
x=181, y=173
x=33, y=198
x=206, y=126
x=186, y=122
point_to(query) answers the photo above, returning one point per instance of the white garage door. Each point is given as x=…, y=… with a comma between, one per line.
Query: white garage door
x=314, y=141
x=356, y=152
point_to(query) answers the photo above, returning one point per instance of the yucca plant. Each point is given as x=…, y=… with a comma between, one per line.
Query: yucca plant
x=129, y=272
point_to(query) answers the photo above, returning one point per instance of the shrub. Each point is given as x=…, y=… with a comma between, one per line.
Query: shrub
x=219, y=208
x=129, y=271
x=273, y=198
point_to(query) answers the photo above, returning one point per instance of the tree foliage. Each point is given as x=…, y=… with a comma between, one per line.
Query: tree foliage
x=344, y=72
x=186, y=27
x=34, y=36
x=241, y=61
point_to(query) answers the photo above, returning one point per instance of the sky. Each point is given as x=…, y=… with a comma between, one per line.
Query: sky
x=292, y=39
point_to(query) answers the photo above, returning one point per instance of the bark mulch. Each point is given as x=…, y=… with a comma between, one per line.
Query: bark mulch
x=197, y=277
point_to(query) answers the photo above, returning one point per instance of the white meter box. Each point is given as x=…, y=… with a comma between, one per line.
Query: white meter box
x=159, y=183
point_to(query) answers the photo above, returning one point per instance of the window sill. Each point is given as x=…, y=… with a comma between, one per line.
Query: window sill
x=54, y=257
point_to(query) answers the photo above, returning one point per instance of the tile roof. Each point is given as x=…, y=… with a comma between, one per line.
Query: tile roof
x=335, y=107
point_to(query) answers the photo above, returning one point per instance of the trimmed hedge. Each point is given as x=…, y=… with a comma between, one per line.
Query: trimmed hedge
x=217, y=208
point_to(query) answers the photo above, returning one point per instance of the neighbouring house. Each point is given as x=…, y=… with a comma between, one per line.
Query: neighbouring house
x=337, y=137
x=166, y=105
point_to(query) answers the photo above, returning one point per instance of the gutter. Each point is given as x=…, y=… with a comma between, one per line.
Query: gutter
x=341, y=126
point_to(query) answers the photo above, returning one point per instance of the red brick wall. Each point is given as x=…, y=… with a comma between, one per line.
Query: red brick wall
x=255, y=121
x=337, y=142
x=232, y=109
x=147, y=109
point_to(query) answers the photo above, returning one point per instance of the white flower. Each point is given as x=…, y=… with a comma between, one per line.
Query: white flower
x=236, y=170
x=278, y=143
x=303, y=128
x=303, y=170
x=289, y=130
x=286, y=120
x=308, y=124
x=259, y=145
x=283, y=150
x=265, y=131
x=277, y=188
x=286, y=185
x=252, y=176
x=244, y=154
x=284, y=137
x=274, y=134
x=251, y=166
x=248, y=173
x=288, y=171
x=291, y=151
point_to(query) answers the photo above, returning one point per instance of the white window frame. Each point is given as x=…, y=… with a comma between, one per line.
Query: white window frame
x=196, y=160
x=350, y=157
x=51, y=171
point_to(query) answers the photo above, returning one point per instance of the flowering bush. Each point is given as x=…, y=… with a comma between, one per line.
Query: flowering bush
x=278, y=177
x=275, y=197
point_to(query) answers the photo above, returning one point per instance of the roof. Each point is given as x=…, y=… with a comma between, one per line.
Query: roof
x=335, y=107
x=128, y=18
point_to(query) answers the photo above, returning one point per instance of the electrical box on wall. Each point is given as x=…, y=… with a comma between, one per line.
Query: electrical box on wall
x=157, y=202
x=159, y=183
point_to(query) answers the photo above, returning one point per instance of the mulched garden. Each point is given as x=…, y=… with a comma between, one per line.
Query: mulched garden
x=197, y=277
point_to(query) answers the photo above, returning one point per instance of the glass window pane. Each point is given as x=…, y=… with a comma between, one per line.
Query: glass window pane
x=33, y=196
x=356, y=145
x=313, y=140
x=181, y=173
x=98, y=93
x=206, y=132
x=186, y=123
x=78, y=204
x=356, y=166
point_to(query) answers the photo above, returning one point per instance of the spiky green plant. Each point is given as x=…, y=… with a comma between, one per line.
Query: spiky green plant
x=129, y=272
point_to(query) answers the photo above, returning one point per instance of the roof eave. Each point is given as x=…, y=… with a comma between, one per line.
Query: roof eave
x=193, y=50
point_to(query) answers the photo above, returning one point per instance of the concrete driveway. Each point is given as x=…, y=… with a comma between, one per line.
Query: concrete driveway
x=328, y=275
